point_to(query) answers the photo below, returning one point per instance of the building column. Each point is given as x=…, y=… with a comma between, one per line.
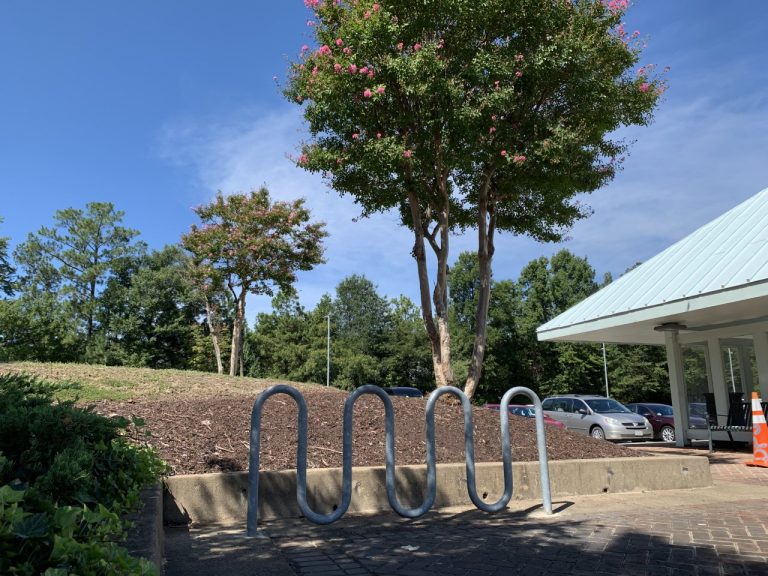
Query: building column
x=677, y=386
x=760, y=340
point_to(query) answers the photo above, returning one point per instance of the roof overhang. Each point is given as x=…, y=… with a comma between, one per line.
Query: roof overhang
x=742, y=305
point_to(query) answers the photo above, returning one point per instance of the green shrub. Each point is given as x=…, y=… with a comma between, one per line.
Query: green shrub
x=67, y=476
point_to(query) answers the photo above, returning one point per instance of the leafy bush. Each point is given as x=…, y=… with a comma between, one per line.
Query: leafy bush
x=67, y=476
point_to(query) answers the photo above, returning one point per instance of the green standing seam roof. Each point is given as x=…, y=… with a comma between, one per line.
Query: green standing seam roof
x=727, y=254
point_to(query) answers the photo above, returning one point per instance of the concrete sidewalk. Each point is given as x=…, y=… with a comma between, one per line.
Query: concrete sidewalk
x=704, y=531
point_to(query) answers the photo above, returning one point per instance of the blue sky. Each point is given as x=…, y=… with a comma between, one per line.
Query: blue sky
x=156, y=105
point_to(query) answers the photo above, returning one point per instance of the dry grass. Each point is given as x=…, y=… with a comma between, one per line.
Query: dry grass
x=94, y=382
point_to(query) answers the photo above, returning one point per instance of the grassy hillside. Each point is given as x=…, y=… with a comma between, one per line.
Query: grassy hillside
x=93, y=382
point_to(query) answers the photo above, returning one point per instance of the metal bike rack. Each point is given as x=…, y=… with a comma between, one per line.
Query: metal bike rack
x=389, y=417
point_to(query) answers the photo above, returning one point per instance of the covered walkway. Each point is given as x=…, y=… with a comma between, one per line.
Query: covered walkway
x=705, y=299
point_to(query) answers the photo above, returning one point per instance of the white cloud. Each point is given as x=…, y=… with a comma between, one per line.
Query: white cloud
x=698, y=160
x=250, y=150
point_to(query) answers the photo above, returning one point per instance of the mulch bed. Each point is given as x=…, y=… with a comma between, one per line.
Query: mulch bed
x=211, y=434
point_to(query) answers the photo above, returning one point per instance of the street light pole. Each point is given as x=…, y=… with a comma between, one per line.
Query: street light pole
x=328, y=352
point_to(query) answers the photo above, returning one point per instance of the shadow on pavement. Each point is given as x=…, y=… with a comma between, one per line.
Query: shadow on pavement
x=474, y=543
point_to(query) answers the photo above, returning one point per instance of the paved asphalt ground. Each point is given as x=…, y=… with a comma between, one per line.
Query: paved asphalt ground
x=721, y=530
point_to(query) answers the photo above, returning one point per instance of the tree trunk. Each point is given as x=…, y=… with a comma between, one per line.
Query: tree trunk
x=237, y=333
x=440, y=297
x=437, y=331
x=485, y=231
x=91, y=305
x=214, y=329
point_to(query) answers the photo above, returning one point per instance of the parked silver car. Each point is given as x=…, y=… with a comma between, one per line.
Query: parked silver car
x=597, y=416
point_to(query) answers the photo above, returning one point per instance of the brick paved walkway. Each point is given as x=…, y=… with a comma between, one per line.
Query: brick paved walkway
x=695, y=540
x=711, y=531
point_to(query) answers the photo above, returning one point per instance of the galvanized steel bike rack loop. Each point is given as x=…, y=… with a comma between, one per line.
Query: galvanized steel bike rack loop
x=346, y=497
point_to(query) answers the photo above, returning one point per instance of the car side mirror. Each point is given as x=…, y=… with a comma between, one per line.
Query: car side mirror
x=582, y=411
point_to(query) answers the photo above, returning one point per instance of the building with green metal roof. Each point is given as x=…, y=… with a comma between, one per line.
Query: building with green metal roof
x=705, y=298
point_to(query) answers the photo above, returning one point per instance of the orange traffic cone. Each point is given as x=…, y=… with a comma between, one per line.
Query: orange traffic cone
x=759, y=435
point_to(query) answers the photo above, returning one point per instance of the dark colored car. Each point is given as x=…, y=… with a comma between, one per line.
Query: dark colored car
x=406, y=391
x=662, y=418
x=527, y=411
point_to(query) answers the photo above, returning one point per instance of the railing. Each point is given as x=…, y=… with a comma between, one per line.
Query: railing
x=389, y=416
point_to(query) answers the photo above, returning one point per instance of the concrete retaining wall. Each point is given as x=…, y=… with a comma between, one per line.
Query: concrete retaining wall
x=145, y=537
x=207, y=498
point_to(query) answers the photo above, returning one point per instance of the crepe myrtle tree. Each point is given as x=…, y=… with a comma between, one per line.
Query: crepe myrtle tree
x=252, y=245
x=491, y=115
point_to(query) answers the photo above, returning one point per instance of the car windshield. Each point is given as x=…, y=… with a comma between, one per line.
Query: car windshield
x=607, y=406
x=661, y=409
x=522, y=411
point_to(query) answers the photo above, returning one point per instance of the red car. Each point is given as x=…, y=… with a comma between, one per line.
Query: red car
x=527, y=411
x=662, y=419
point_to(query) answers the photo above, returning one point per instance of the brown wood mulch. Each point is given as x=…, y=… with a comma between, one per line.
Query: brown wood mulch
x=211, y=434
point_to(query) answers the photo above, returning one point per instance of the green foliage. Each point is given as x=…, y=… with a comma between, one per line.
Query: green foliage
x=63, y=540
x=459, y=114
x=356, y=369
x=505, y=361
x=38, y=327
x=66, y=477
x=504, y=366
x=75, y=257
x=148, y=312
x=248, y=244
x=361, y=317
x=6, y=270
x=254, y=243
x=407, y=360
x=288, y=343
x=452, y=83
x=549, y=287
x=638, y=373
x=373, y=341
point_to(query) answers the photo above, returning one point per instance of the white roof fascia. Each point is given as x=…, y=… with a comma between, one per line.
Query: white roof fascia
x=678, y=309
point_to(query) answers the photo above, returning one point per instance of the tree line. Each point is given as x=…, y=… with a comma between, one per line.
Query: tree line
x=87, y=289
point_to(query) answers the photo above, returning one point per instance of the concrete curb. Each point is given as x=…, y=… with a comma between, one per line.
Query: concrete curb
x=145, y=537
x=215, y=498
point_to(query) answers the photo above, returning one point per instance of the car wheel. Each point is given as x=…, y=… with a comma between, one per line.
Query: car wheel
x=597, y=432
x=667, y=434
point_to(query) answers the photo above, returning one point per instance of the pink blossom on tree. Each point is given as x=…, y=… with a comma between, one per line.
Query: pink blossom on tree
x=250, y=245
x=469, y=145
